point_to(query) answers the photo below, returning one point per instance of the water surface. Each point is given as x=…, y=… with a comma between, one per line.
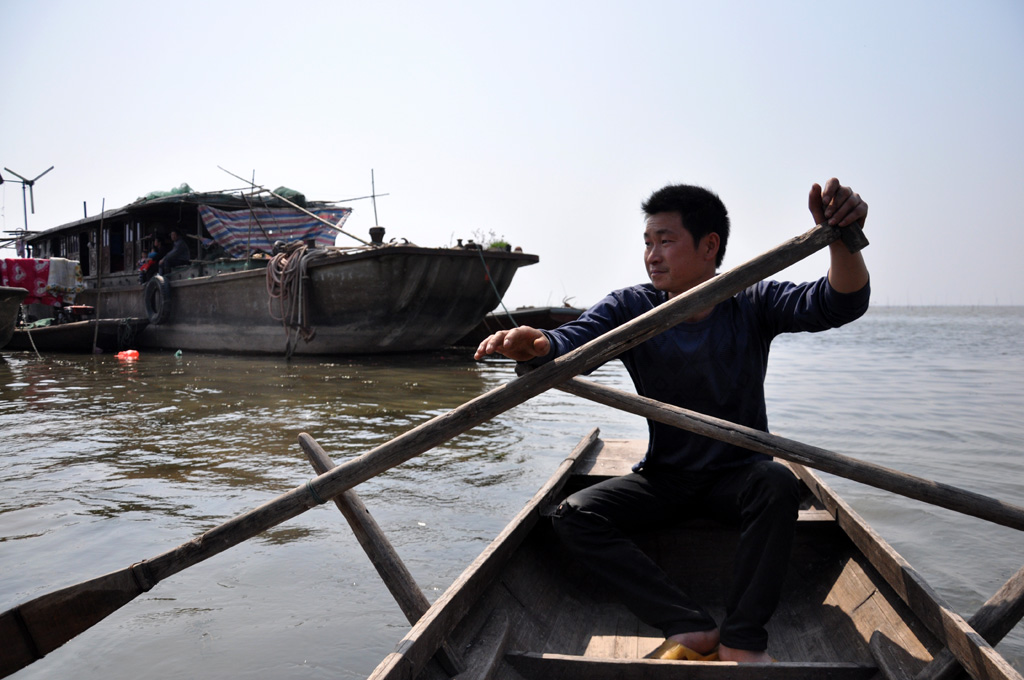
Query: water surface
x=105, y=463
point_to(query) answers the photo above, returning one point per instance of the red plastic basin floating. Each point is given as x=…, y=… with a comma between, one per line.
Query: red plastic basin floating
x=128, y=354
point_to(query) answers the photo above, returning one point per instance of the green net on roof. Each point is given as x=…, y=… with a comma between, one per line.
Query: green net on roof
x=177, y=191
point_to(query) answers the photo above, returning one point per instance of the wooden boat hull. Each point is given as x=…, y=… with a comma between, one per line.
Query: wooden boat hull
x=390, y=299
x=10, y=300
x=114, y=335
x=524, y=609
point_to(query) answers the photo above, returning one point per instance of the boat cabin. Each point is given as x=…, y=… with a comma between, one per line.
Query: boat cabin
x=215, y=226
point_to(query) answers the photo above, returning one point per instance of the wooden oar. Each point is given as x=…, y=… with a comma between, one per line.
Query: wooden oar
x=943, y=495
x=39, y=626
x=382, y=554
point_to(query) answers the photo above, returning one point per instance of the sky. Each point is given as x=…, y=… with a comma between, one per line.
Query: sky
x=545, y=124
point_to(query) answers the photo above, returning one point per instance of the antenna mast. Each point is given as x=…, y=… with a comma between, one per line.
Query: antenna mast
x=373, y=193
x=27, y=183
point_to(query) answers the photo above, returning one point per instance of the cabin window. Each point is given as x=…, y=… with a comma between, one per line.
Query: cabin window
x=117, y=250
x=83, y=252
x=57, y=248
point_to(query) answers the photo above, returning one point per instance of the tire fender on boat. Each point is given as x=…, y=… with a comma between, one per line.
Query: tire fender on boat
x=158, y=299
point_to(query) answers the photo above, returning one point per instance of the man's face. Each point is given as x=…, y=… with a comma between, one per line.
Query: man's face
x=675, y=264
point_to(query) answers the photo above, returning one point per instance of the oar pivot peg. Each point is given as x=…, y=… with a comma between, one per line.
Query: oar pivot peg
x=853, y=236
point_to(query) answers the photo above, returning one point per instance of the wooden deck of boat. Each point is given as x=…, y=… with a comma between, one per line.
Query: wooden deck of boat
x=543, y=616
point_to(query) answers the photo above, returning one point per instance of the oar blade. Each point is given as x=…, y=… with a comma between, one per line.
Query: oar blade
x=37, y=627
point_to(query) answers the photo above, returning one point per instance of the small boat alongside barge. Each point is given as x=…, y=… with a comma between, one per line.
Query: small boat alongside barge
x=82, y=336
x=535, y=317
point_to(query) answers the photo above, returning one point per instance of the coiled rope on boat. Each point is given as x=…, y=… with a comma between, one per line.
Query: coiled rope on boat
x=126, y=332
x=288, y=293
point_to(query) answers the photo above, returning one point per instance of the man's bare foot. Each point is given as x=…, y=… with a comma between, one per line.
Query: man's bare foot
x=743, y=655
x=702, y=641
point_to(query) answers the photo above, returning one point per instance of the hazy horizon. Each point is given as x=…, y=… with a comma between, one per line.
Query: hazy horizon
x=545, y=124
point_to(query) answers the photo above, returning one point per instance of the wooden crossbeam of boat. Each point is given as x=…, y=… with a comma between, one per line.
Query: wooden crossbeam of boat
x=382, y=554
x=993, y=621
x=534, y=666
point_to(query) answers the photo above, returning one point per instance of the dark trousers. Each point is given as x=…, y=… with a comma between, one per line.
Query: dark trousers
x=762, y=499
x=167, y=265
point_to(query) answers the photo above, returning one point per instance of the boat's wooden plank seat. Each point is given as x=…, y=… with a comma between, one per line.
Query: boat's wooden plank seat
x=612, y=457
x=532, y=666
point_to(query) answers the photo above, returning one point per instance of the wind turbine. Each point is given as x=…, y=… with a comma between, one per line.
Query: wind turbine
x=27, y=183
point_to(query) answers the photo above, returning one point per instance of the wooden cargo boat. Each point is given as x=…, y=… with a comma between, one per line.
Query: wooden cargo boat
x=312, y=298
x=525, y=610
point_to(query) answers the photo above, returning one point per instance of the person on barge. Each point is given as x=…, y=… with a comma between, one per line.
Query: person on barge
x=177, y=255
x=714, y=363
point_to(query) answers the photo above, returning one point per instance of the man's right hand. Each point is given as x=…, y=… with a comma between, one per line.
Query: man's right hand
x=522, y=344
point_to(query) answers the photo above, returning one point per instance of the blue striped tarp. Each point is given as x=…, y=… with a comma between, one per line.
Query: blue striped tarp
x=235, y=231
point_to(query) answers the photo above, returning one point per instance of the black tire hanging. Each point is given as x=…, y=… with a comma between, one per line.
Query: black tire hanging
x=158, y=299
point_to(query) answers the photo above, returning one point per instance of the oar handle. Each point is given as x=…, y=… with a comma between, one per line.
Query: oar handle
x=853, y=237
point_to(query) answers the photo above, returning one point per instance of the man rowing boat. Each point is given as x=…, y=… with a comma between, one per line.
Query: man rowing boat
x=714, y=363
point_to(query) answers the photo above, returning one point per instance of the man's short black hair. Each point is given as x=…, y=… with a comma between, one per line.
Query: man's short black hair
x=701, y=210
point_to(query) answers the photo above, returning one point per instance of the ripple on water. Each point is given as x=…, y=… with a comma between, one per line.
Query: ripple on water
x=103, y=465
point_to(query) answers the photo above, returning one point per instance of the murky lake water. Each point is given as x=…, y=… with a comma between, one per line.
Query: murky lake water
x=104, y=463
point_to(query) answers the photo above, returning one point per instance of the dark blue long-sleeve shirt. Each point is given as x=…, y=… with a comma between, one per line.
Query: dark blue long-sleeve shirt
x=715, y=366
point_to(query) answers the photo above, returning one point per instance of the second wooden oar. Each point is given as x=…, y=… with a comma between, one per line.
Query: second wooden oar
x=943, y=495
x=994, y=621
x=39, y=626
x=382, y=554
